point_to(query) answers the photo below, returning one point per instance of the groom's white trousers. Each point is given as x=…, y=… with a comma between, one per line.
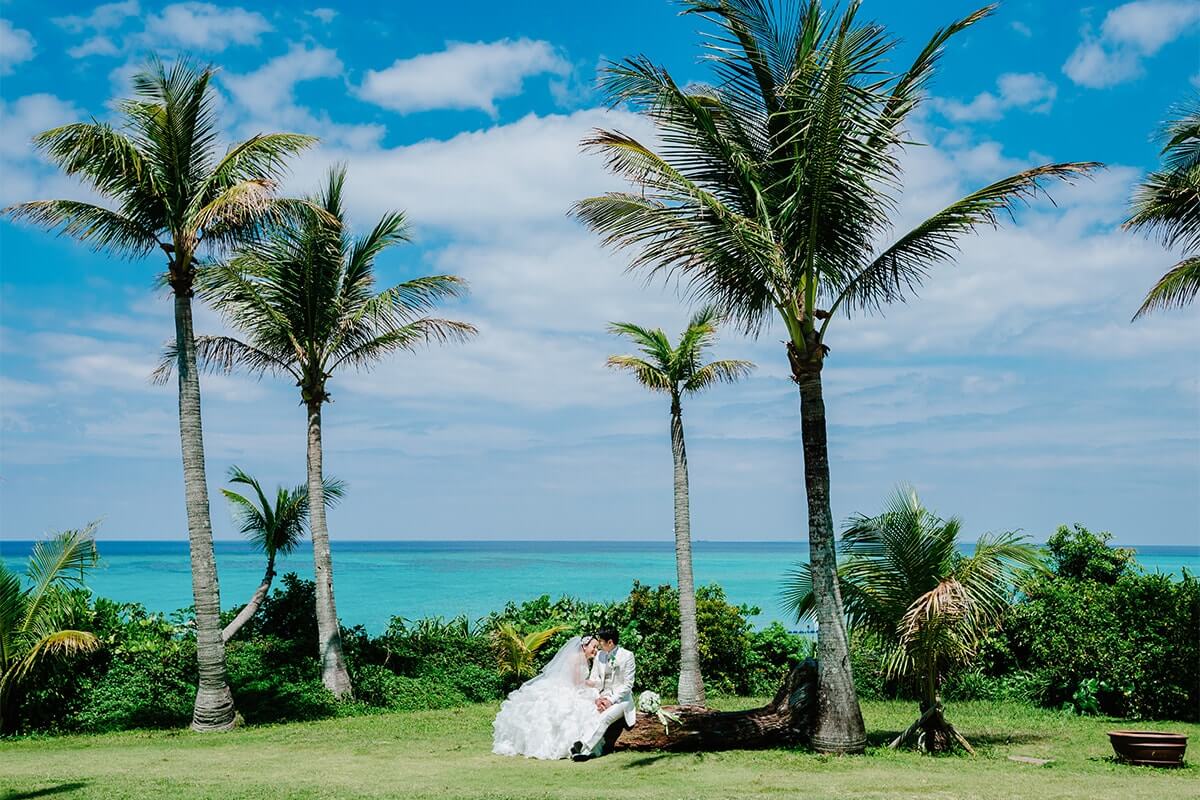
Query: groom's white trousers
x=594, y=744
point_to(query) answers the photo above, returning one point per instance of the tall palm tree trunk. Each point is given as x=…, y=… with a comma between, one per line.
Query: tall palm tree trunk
x=839, y=724
x=213, y=710
x=251, y=607
x=691, y=683
x=333, y=661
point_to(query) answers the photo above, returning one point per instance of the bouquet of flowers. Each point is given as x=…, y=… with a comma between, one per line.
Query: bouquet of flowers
x=651, y=703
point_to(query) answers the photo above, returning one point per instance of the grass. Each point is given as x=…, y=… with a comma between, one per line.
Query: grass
x=446, y=754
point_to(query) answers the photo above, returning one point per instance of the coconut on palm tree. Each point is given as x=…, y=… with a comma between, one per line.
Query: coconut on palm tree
x=303, y=296
x=768, y=194
x=679, y=370
x=275, y=528
x=172, y=190
x=904, y=581
x=35, y=621
x=1167, y=204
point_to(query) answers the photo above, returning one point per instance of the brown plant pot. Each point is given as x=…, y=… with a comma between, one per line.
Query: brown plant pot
x=1150, y=748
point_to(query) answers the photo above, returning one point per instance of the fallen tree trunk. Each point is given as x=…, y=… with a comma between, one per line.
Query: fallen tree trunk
x=786, y=720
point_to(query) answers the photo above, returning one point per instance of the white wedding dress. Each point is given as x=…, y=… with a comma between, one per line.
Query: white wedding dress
x=550, y=712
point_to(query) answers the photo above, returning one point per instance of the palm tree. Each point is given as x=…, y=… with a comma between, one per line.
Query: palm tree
x=905, y=581
x=767, y=193
x=677, y=371
x=274, y=528
x=1168, y=204
x=172, y=191
x=35, y=621
x=303, y=296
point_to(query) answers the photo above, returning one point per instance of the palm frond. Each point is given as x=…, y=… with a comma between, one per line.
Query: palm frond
x=647, y=374
x=726, y=371
x=102, y=228
x=219, y=354
x=59, y=561
x=903, y=266
x=424, y=331
x=1176, y=289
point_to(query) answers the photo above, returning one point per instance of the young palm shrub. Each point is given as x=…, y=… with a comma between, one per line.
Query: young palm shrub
x=904, y=580
x=172, y=190
x=1168, y=204
x=274, y=528
x=515, y=652
x=679, y=370
x=768, y=194
x=304, y=297
x=35, y=620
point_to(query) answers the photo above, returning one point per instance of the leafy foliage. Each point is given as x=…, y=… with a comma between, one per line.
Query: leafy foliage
x=303, y=295
x=904, y=581
x=1078, y=554
x=275, y=528
x=770, y=187
x=1134, y=634
x=40, y=622
x=172, y=187
x=1167, y=205
x=515, y=651
x=677, y=369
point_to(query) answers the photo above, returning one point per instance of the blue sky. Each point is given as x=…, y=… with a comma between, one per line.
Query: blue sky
x=1013, y=392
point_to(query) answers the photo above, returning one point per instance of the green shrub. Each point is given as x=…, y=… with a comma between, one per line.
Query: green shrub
x=773, y=652
x=147, y=691
x=379, y=686
x=1099, y=635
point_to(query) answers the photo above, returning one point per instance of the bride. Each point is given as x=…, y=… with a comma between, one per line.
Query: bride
x=551, y=711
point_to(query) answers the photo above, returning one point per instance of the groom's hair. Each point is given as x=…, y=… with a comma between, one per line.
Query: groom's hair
x=608, y=634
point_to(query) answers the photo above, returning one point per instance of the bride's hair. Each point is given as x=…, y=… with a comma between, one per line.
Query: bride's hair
x=586, y=640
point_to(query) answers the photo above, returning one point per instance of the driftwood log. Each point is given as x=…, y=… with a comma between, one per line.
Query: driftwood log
x=786, y=720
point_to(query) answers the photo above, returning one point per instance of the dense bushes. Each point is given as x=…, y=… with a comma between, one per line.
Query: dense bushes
x=1093, y=635
x=1098, y=634
x=145, y=674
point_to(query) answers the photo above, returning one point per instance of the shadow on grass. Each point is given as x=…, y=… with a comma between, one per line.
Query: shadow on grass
x=646, y=761
x=47, y=792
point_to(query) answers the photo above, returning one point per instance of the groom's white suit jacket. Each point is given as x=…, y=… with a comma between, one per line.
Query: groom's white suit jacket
x=614, y=678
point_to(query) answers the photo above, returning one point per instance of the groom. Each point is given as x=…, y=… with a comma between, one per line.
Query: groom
x=612, y=674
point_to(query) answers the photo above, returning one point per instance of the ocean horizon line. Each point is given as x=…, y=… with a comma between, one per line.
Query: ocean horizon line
x=608, y=541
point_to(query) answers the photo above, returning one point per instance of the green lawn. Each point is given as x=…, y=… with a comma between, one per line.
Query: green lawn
x=446, y=754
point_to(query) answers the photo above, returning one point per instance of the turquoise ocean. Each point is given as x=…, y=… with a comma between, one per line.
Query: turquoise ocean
x=376, y=580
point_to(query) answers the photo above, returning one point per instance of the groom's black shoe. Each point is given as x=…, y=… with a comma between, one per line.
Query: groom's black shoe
x=577, y=753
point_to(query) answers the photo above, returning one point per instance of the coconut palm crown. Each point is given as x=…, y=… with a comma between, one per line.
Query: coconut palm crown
x=904, y=581
x=1167, y=204
x=171, y=188
x=303, y=296
x=770, y=193
x=679, y=370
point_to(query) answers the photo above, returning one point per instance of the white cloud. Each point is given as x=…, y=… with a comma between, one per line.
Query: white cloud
x=16, y=46
x=325, y=15
x=1129, y=34
x=25, y=117
x=1021, y=28
x=102, y=18
x=95, y=46
x=463, y=76
x=1024, y=90
x=25, y=175
x=266, y=98
x=478, y=183
x=205, y=27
